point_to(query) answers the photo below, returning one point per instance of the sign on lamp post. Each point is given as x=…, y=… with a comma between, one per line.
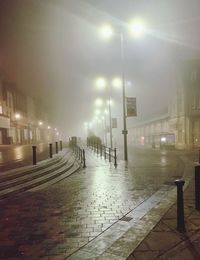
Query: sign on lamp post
x=131, y=107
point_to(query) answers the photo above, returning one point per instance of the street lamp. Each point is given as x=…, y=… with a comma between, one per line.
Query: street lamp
x=137, y=28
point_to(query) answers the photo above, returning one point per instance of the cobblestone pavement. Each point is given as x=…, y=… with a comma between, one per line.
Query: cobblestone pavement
x=55, y=222
x=173, y=244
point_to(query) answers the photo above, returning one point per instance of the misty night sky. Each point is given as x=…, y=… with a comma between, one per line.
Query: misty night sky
x=53, y=51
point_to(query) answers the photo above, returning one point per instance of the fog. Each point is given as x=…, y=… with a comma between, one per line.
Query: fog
x=53, y=51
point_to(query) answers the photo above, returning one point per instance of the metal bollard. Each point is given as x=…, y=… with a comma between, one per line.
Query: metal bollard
x=115, y=157
x=101, y=150
x=84, y=164
x=199, y=155
x=105, y=152
x=197, y=187
x=97, y=149
x=60, y=145
x=109, y=154
x=34, y=155
x=50, y=151
x=56, y=147
x=81, y=155
x=180, y=206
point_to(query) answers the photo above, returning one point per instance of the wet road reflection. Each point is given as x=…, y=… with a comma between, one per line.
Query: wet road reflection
x=15, y=156
x=57, y=221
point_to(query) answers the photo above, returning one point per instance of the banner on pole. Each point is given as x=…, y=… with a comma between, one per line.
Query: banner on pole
x=114, y=122
x=131, y=108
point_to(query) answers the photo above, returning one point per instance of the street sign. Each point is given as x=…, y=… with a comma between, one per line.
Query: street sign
x=114, y=122
x=131, y=109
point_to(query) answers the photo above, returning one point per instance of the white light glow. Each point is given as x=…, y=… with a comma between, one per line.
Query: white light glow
x=48, y=127
x=101, y=83
x=106, y=31
x=40, y=123
x=137, y=27
x=99, y=102
x=163, y=139
x=17, y=116
x=117, y=83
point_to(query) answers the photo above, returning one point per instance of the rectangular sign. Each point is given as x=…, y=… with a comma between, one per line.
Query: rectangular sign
x=131, y=109
x=114, y=122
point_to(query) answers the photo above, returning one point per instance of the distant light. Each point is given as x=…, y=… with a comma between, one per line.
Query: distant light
x=100, y=83
x=142, y=138
x=137, y=27
x=40, y=123
x=117, y=83
x=57, y=133
x=48, y=127
x=106, y=31
x=163, y=139
x=109, y=102
x=17, y=116
x=106, y=112
x=98, y=102
x=55, y=129
x=196, y=140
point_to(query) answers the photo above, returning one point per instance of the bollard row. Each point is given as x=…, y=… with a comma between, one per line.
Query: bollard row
x=34, y=151
x=103, y=151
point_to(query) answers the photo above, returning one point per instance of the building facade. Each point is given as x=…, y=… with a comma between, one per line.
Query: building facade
x=22, y=119
x=180, y=127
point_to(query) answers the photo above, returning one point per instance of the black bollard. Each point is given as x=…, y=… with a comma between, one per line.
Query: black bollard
x=84, y=164
x=109, y=154
x=60, y=145
x=199, y=155
x=101, y=150
x=115, y=155
x=34, y=155
x=105, y=152
x=50, y=151
x=97, y=149
x=197, y=187
x=81, y=155
x=56, y=147
x=180, y=206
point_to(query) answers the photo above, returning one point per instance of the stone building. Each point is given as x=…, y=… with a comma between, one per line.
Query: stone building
x=22, y=119
x=180, y=127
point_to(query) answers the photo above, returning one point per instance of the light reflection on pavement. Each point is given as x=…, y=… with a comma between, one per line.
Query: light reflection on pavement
x=57, y=221
x=12, y=156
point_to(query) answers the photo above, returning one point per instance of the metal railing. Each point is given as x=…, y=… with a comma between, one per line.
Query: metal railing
x=80, y=154
x=104, y=151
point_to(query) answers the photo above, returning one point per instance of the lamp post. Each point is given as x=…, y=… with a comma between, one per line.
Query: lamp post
x=137, y=29
x=124, y=131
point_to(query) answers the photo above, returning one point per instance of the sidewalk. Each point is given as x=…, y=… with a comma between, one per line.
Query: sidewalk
x=165, y=242
x=97, y=213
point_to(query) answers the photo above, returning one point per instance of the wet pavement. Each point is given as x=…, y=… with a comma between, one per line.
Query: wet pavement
x=58, y=221
x=172, y=243
x=12, y=156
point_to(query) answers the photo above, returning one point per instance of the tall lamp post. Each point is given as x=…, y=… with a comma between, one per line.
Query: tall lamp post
x=137, y=29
